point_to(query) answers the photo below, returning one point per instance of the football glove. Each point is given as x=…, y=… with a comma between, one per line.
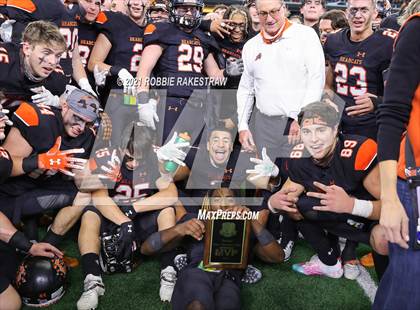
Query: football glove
x=234, y=67
x=85, y=85
x=126, y=80
x=264, y=167
x=112, y=171
x=100, y=76
x=6, y=30
x=62, y=161
x=44, y=96
x=172, y=151
x=125, y=240
x=147, y=110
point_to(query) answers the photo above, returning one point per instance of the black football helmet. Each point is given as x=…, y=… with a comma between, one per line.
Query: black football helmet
x=41, y=281
x=186, y=21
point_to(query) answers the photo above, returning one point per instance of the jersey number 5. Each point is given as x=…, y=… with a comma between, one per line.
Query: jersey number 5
x=342, y=73
x=190, y=58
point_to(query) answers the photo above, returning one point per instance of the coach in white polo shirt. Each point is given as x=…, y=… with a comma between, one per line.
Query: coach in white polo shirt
x=284, y=69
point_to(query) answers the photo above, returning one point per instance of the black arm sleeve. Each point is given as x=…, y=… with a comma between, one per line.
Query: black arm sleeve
x=403, y=79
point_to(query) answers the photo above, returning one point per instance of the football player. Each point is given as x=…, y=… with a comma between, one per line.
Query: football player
x=36, y=130
x=195, y=287
x=33, y=64
x=158, y=12
x=231, y=48
x=179, y=52
x=55, y=11
x=9, y=298
x=357, y=58
x=333, y=181
x=116, y=56
x=131, y=205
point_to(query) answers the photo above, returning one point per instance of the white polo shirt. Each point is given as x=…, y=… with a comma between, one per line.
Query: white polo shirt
x=283, y=76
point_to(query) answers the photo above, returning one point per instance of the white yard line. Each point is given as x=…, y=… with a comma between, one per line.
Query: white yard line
x=367, y=284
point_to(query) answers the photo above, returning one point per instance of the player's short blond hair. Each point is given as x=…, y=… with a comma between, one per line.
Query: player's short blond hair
x=43, y=32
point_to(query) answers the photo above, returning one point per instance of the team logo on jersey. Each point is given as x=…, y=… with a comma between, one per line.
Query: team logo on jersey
x=361, y=54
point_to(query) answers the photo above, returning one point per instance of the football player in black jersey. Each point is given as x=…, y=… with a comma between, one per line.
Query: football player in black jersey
x=23, y=12
x=179, y=55
x=231, y=49
x=36, y=130
x=136, y=204
x=33, y=64
x=116, y=56
x=357, y=58
x=333, y=181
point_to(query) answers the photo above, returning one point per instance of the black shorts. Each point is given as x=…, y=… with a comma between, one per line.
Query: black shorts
x=145, y=223
x=54, y=196
x=212, y=290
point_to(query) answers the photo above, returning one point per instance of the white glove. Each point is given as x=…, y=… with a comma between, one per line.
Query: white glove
x=100, y=76
x=112, y=171
x=44, y=96
x=172, y=151
x=264, y=167
x=234, y=66
x=147, y=113
x=126, y=80
x=85, y=85
x=3, y=115
x=6, y=30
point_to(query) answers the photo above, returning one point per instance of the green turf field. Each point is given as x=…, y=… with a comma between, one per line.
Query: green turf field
x=280, y=288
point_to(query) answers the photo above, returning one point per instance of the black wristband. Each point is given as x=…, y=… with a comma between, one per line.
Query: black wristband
x=142, y=97
x=205, y=25
x=30, y=163
x=19, y=241
x=114, y=70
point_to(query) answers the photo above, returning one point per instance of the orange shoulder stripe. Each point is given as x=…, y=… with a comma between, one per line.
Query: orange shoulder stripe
x=101, y=18
x=150, y=28
x=365, y=155
x=25, y=5
x=27, y=114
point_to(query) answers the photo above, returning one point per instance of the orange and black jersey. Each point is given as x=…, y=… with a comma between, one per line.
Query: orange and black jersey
x=134, y=184
x=182, y=57
x=126, y=38
x=354, y=157
x=6, y=165
x=400, y=109
x=229, y=49
x=26, y=11
x=13, y=81
x=357, y=68
x=41, y=125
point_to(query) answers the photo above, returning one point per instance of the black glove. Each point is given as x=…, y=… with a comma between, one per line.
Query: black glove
x=125, y=241
x=129, y=211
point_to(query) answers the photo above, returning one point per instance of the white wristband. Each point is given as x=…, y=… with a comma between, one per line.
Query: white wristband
x=362, y=208
x=271, y=208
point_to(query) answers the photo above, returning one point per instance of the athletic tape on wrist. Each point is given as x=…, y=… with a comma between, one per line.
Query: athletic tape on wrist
x=362, y=208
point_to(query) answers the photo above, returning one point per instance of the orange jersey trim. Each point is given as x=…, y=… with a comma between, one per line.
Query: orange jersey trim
x=101, y=18
x=150, y=28
x=27, y=114
x=365, y=155
x=25, y=5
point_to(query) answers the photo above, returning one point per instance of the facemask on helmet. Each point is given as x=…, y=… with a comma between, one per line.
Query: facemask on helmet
x=186, y=13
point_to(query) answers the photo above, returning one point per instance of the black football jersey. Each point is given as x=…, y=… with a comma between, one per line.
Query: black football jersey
x=358, y=66
x=126, y=38
x=6, y=165
x=354, y=157
x=205, y=175
x=134, y=184
x=182, y=57
x=26, y=11
x=13, y=81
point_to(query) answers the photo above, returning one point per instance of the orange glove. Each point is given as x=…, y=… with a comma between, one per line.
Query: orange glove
x=55, y=159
